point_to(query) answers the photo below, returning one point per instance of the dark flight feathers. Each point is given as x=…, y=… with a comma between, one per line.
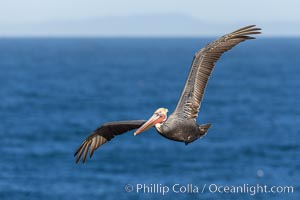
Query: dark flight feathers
x=103, y=134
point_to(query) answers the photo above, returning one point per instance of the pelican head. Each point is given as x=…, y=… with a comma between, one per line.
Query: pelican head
x=157, y=119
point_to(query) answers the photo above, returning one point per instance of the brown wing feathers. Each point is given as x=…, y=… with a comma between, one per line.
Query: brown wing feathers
x=202, y=66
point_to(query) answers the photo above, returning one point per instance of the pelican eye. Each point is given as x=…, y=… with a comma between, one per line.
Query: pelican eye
x=157, y=114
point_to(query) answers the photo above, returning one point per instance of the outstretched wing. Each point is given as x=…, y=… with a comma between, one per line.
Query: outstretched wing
x=103, y=134
x=202, y=66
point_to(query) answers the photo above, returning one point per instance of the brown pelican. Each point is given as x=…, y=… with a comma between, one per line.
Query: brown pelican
x=181, y=125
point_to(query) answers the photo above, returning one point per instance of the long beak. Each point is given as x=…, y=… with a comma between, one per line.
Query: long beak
x=151, y=122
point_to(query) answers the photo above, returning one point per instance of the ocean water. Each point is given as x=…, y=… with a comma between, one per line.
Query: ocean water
x=55, y=92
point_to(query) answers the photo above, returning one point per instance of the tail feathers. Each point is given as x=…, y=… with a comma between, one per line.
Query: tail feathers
x=204, y=128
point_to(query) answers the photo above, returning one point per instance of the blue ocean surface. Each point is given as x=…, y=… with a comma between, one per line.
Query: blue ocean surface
x=55, y=91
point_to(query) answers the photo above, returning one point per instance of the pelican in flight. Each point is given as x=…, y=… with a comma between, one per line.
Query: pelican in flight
x=181, y=125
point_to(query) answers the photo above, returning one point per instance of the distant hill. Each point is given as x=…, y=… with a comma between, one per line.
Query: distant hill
x=161, y=25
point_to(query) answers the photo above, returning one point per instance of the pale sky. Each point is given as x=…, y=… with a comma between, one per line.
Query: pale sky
x=16, y=12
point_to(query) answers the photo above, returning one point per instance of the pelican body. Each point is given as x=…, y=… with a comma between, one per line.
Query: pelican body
x=174, y=127
x=181, y=125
